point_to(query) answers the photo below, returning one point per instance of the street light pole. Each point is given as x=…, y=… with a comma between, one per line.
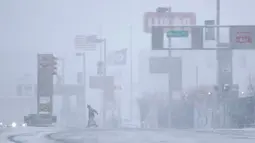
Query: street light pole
x=82, y=98
x=131, y=73
x=104, y=75
x=170, y=92
x=84, y=85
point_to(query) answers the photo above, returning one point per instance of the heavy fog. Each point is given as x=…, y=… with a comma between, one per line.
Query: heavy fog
x=29, y=27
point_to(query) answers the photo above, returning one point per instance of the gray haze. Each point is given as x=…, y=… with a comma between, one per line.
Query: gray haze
x=28, y=27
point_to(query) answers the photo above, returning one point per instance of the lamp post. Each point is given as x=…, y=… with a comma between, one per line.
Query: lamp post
x=82, y=98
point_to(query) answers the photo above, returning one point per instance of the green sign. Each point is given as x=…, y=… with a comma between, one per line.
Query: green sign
x=177, y=33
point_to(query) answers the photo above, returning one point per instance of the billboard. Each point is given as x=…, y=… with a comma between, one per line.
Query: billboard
x=45, y=83
x=242, y=37
x=168, y=19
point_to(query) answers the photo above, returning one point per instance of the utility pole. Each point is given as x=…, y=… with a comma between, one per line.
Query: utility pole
x=170, y=92
x=82, y=98
x=104, y=75
x=218, y=21
x=131, y=72
x=221, y=60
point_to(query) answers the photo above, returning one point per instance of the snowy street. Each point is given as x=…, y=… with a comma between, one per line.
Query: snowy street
x=27, y=134
x=51, y=135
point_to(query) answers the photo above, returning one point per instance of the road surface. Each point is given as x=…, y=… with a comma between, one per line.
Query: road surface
x=53, y=135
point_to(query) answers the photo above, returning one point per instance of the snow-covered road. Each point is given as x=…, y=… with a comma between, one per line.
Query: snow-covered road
x=122, y=136
x=25, y=135
x=51, y=135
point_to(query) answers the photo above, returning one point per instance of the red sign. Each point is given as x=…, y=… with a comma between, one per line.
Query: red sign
x=244, y=37
x=168, y=19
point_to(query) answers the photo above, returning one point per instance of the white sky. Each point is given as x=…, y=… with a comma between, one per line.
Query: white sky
x=50, y=26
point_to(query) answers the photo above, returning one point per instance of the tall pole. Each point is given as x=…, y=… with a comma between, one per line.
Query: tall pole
x=104, y=75
x=218, y=21
x=169, y=81
x=101, y=56
x=83, y=99
x=131, y=72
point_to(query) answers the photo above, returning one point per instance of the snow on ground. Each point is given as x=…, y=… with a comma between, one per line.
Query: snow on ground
x=149, y=136
x=27, y=134
x=32, y=135
x=122, y=136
